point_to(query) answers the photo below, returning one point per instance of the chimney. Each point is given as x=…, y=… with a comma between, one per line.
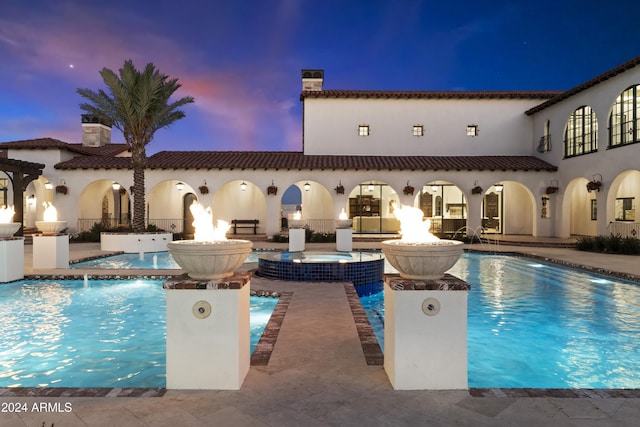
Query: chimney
x=95, y=132
x=312, y=80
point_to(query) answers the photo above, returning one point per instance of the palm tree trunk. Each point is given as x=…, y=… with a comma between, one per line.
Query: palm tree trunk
x=138, y=160
x=138, y=200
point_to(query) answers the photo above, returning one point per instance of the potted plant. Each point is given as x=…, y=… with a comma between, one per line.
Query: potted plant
x=203, y=189
x=61, y=189
x=593, y=186
x=408, y=190
x=476, y=190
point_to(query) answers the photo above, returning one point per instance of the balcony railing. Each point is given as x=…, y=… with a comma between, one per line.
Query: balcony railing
x=170, y=225
x=624, y=229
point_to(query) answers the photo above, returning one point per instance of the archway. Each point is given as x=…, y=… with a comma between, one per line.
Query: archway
x=445, y=205
x=371, y=205
x=580, y=209
x=290, y=204
x=20, y=173
x=622, y=203
x=105, y=202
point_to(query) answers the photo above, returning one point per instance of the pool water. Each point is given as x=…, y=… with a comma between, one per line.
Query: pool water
x=149, y=260
x=107, y=334
x=538, y=325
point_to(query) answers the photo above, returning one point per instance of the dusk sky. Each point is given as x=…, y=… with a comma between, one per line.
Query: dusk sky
x=241, y=59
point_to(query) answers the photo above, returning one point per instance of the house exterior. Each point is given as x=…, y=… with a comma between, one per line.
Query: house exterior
x=506, y=162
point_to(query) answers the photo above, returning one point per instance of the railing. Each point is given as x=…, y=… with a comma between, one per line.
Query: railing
x=86, y=224
x=322, y=225
x=624, y=229
x=170, y=225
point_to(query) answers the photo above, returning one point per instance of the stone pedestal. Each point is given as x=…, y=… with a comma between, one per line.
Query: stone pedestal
x=208, y=333
x=296, y=239
x=50, y=251
x=11, y=259
x=425, y=333
x=344, y=239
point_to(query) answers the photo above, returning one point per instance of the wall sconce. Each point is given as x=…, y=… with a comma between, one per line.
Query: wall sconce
x=370, y=187
x=434, y=188
x=243, y=186
x=499, y=187
x=180, y=186
x=307, y=186
x=115, y=186
x=31, y=200
x=48, y=185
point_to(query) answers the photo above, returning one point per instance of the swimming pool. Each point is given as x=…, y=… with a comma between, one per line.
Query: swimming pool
x=538, y=325
x=61, y=333
x=149, y=260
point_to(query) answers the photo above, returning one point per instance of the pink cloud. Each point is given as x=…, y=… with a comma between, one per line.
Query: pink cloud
x=47, y=44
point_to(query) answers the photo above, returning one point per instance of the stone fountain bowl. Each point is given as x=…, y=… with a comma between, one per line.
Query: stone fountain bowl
x=422, y=261
x=210, y=260
x=9, y=229
x=344, y=223
x=49, y=228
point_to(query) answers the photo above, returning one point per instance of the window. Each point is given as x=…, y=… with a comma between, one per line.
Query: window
x=418, y=130
x=363, y=130
x=624, y=209
x=594, y=210
x=624, y=120
x=581, y=132
x=472, y=130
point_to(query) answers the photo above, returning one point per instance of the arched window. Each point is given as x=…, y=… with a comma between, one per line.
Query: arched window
x=581, y=132
x=624, y=120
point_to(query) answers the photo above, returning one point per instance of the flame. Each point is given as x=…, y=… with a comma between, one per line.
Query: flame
x=412, y=227
x=203, y=223
x=50, y=213
x=6, y=214
x=297, y=215
x=343, y=215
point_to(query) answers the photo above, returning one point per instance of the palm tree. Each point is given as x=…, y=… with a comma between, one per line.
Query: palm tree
x=137, y=103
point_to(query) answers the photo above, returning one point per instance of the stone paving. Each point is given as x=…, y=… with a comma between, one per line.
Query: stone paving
x=317, y=375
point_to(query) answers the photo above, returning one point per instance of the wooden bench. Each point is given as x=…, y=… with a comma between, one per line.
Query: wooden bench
x=245, y=223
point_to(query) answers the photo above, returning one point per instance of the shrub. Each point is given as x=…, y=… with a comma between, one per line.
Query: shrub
x=92, y=235
x=609, y=244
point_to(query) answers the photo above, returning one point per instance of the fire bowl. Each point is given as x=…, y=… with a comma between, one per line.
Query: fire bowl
x=9, y=229
x=344, y=223
x=210, y=260
x=297, y=223
x=49, y=228
x=422, y=261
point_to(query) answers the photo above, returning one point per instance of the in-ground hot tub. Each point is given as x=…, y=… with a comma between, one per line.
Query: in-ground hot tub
x=359, y=268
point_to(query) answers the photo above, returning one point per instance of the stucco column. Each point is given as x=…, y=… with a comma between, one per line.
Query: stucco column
x=474, y=221
x=274, y=215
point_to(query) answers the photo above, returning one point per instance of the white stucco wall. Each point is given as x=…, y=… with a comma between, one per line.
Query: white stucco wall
x=331, y=126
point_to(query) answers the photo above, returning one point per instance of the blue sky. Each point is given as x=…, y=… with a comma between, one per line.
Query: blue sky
x=241, y=59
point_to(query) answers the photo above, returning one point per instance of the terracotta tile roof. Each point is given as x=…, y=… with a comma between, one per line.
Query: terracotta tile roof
x=51, y=143
x=584, y=86
x=430, y=94
x=276, y=160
